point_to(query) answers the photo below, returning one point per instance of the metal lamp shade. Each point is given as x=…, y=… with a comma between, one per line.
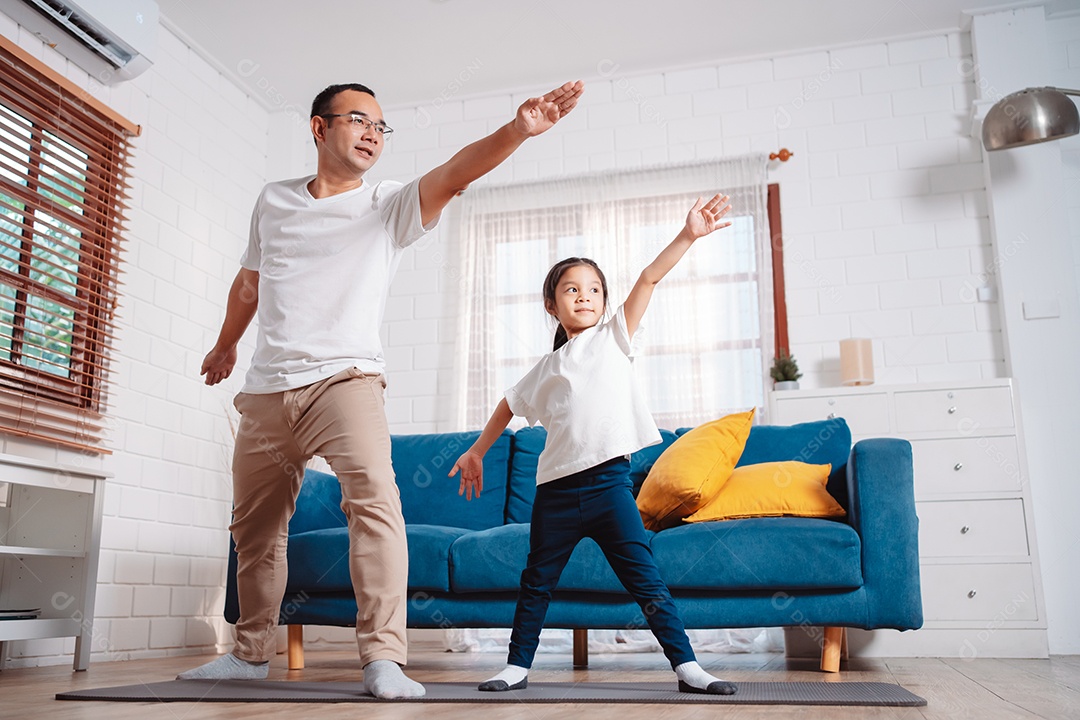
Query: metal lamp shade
x=1030, y=116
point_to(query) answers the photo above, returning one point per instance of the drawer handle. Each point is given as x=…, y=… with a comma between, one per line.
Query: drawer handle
x=971, y=593
x=952, y=410
x=965, y=530
x=958, y=466
x=830, y=416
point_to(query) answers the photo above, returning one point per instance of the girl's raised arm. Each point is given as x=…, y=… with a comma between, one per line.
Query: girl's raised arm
x=705, y=217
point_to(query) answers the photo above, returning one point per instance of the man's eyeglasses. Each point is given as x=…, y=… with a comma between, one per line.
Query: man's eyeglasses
x=364, y=123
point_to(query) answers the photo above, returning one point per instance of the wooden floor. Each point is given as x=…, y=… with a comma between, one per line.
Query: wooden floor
x=982, y=689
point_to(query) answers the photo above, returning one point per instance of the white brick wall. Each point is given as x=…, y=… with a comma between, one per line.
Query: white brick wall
x=196, y=169
x=1064, y=37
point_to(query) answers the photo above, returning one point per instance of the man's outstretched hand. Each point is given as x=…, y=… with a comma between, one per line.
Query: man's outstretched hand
x=537, y=115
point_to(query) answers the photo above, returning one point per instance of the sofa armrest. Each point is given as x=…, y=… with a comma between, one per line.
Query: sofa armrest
x=882, y=511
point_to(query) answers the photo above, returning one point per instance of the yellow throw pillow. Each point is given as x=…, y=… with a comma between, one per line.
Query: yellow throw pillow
x=690, y=472
x=771, y=489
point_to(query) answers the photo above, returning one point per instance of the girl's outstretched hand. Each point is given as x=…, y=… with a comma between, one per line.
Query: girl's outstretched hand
x=706, y=216
x=472, y=474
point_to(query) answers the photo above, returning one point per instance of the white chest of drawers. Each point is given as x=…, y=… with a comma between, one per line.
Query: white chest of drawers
x=981, y=588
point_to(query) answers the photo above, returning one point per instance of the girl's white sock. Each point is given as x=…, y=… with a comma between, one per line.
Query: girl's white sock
x=507, y=679
x=692, y=678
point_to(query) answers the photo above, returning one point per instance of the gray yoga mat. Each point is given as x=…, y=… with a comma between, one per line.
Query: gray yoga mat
x=750, y=693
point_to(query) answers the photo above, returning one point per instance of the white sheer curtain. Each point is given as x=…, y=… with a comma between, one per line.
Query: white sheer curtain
x=709, y=328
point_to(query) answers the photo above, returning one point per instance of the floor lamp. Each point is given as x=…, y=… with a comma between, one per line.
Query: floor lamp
x=1030, y=116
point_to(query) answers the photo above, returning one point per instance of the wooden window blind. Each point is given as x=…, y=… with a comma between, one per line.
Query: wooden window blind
x=63, y=162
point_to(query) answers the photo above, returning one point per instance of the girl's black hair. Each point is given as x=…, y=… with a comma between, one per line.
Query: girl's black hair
x=551, y=282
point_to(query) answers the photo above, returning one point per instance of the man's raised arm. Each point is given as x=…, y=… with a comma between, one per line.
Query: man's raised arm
x=536, y=115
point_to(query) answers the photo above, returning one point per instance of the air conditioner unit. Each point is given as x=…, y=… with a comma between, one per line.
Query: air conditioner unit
x=110, y=39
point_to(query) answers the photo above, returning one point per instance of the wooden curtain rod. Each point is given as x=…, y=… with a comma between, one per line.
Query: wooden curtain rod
x=783, y=156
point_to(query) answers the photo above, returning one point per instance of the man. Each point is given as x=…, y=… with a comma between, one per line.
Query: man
x=321, y=254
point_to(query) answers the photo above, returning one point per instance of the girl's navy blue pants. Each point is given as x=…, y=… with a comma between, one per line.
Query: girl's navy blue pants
x=595, y=503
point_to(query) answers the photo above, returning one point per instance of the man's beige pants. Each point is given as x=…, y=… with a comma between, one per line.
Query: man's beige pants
x=343, y=420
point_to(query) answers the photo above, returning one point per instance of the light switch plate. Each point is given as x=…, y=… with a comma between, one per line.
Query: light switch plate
x=1041, y=308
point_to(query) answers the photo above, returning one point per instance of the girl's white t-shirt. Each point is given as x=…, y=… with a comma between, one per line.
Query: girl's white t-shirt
x=587, y=398
x=325, y=266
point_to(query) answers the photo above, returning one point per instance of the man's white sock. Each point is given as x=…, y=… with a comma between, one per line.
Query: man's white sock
x=227, y=667
x=384, y=679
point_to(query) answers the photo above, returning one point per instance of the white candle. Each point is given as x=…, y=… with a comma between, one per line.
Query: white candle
x=856, y=361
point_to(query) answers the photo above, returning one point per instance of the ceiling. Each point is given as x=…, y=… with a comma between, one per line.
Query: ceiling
x=427, y=51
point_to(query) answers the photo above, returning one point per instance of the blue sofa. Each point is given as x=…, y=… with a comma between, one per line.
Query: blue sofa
x=465, y=558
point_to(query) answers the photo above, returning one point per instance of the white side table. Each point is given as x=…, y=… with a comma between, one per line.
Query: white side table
x=50, y=532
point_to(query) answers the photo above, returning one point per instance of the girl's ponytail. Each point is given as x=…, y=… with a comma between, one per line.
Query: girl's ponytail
x=560, y=338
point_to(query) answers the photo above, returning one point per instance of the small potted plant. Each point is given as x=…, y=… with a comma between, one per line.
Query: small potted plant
x=785, y=372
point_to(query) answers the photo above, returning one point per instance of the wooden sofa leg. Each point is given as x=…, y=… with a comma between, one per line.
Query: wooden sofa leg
x=581, y=648
x=296, y=647
x=830, y=648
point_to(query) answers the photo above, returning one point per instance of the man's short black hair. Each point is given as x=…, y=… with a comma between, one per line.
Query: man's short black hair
x=322, y=102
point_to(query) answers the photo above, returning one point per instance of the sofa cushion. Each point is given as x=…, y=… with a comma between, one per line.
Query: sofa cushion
x=774, y=553
x=643, y=460
x=529, y=443
x=319, y=559
x=429, y=497
x=823, y=442
x=489, y=560
x=492, y=560
x=772, y=489
x=690, y=472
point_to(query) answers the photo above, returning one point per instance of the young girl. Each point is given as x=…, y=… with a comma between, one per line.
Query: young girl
x=585, y=395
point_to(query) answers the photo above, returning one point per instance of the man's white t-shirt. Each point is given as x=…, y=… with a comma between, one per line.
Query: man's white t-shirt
x=325, y=266
x=586, y=396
